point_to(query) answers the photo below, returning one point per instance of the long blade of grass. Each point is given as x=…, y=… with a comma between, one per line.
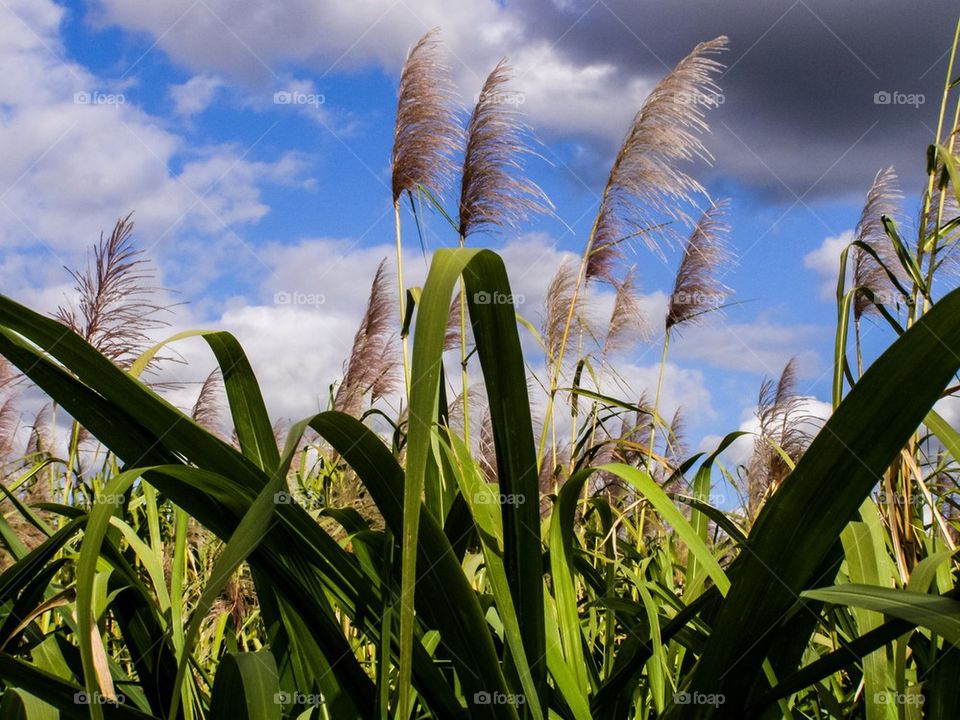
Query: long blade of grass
x=938, y=613
x=493, y=322
x=796, y=530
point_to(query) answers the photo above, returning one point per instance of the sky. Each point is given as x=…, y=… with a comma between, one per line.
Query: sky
x=252, y=143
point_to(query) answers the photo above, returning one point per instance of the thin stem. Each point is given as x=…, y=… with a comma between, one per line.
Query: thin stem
x=463, y=355
x=558, y=362
x=932, y=264
x=402, y=299
x=656, y=400
x=573, y=415
x=856, y=333
x=931, y=181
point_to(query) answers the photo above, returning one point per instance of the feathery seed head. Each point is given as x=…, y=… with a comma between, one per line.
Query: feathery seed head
x=696, y=289
x=427, y=131
x=493, y=191
x=646, y=182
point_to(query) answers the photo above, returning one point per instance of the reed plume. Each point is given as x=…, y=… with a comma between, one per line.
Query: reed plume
x=206, y=409
x=696, y=288
x=783, y=426
x=371, y=367
x=646, y=182
x=451, y=338
x=883, y=199
x=116, y=311
x=39, y=442
x=486, y=451
x=9, y=416
x=560, y=295
x=678, y=440
x=494, y=193
x=9, y=422
x=627, y=323
x=426, y=134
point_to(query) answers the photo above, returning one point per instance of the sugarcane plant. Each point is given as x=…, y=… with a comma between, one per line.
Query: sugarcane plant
x=203, y=562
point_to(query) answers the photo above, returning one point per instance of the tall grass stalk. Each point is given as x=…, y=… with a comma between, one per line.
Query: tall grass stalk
x=646, y=181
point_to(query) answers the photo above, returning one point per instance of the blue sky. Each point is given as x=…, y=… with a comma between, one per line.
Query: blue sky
x=238, y=197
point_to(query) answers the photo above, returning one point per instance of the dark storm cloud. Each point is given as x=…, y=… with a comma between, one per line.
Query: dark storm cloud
x=800, y=117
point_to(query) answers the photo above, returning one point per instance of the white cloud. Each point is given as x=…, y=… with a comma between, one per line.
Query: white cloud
x=299, y=332
x=825, y=262
x=568, y=96
x=760, y=346
x=78, y=153
x=195, y=95
x=253, y=47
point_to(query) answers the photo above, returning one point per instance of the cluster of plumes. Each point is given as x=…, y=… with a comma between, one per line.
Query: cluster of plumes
x=116, y=310
x=494, y=193
x=372, y=368
x=647, y=189
x=239, y=593
x=427, y=132
x=623, y=328
x=484, y=448
x=697, y=289
x=11, y=462
x=783, y=425
x=883, y=199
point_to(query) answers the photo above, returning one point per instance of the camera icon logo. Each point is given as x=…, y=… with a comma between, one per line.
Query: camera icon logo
x=882, y=97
